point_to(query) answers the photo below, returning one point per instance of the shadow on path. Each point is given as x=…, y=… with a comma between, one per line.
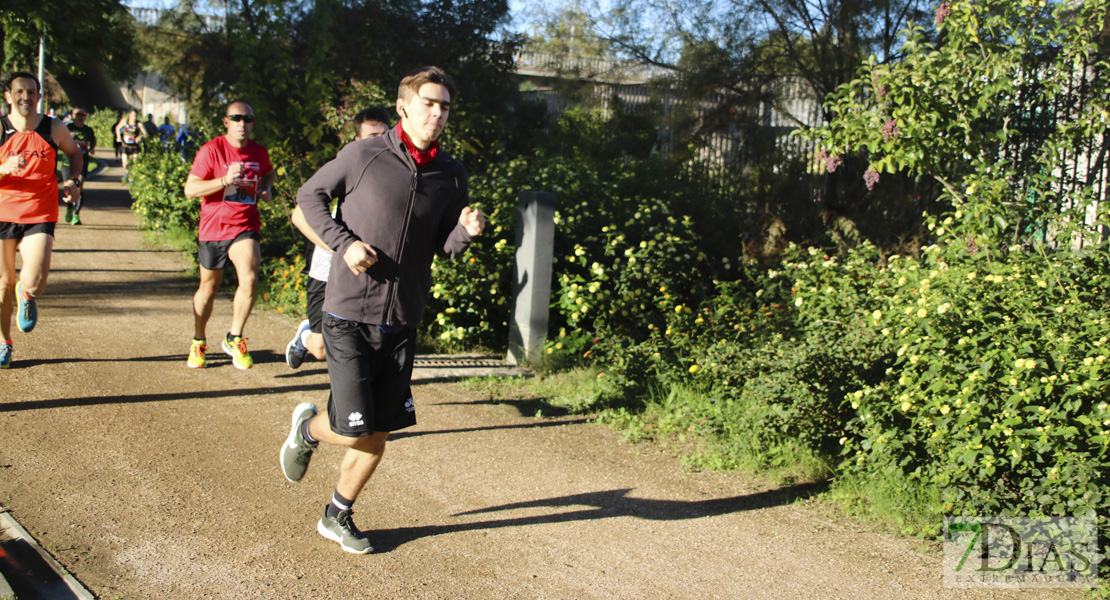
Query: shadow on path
x=606, y=505
x=137, y=398
x=411, y=434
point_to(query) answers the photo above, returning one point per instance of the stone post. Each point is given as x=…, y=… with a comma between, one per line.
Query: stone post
x=535, y=246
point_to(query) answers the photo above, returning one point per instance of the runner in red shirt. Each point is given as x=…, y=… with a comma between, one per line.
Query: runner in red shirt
x=29, y=144
x=231, y=173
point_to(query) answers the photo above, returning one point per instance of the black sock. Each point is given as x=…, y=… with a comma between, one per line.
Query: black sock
x=305, y=433
x=338, y=503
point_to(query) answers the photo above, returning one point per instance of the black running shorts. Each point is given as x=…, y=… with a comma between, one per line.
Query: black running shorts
x=213, y=255
x=314, y=304
x=18, y=231
x=370, y=372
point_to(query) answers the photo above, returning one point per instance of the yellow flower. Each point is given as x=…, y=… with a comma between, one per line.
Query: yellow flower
x=798, y=302
x=922, y=313
x=693, y=369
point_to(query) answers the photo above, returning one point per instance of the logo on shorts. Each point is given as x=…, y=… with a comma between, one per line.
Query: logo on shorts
x=355, y=419
x=409, y=406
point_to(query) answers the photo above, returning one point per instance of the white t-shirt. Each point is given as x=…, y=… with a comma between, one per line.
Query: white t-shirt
x=321, y=264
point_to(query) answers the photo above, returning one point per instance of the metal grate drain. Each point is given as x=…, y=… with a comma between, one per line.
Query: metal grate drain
x=458, y=362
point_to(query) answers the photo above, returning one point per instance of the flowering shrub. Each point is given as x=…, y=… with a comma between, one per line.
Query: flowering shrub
x=994, y=391
x=613, y=247
x=988, y=106
x=156, y=181
x=286, y=289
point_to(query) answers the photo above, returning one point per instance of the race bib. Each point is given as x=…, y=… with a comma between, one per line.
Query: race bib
x=244, y=189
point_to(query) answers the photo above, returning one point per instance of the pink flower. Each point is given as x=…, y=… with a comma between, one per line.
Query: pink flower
x=943, y=11
x=871, y=177
x=890, y=130
x=831, y=161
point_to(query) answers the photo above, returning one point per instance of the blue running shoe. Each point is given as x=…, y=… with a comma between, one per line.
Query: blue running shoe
x=27, y=314
x=295, y=351
x=5, y=356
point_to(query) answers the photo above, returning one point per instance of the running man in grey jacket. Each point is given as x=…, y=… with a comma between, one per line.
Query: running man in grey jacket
x=404, y=202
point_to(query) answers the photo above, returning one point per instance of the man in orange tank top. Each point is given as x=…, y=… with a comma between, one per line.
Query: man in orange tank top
x=29, y=145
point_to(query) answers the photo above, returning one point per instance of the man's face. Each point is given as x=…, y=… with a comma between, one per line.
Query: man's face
x=23, y=96
x=425, y=112
x=79, y=117
x=239, y=122
x=132, y=117
x=367, y=129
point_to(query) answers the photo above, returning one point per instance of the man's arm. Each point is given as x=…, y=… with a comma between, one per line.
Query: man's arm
x=265, y=185
x=65, y=142
x=315, y=196
x=461, y=224
x=298, y=220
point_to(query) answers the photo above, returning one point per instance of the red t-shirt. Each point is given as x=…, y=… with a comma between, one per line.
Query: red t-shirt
x=231, y=211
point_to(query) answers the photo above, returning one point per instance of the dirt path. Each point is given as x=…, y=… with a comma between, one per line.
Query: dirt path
x=148, y=480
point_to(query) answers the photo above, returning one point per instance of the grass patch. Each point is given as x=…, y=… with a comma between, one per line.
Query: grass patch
x=890, y=502
x=546, y=394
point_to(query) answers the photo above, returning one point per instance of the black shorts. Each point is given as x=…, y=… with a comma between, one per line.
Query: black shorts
x=370, y=373
x=213, y=255
x=130, y=149
x=18, y=231
x=314, y=304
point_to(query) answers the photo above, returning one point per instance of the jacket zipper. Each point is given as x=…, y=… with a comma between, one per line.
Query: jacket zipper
x=401, y=248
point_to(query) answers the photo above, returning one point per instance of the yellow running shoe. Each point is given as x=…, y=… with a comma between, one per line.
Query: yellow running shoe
x=236, y=347
x=196, y=355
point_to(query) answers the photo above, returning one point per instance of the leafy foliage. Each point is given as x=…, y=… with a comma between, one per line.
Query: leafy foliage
x=79, y=36
x=988, y=111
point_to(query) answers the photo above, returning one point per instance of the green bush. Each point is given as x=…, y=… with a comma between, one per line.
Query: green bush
x=103, y=121
x=995, y=392
x=156, y=181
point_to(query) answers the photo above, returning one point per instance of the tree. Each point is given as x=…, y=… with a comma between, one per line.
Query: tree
x=296, y=60
x=747, y=70
x=79, y=36
x=1007, y=110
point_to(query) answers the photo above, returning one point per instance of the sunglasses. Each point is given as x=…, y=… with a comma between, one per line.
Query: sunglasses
x=244, y=118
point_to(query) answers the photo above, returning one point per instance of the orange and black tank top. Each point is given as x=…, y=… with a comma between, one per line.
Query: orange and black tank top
x=29, y=195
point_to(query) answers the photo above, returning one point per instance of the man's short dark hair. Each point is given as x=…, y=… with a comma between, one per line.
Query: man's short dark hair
x=374, y=113
x=10, y=79
x=417, y=77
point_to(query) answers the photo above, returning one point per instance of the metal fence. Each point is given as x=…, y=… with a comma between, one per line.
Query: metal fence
x=790, y=103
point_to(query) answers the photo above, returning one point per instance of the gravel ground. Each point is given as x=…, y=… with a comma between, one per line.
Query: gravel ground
x=150, y=480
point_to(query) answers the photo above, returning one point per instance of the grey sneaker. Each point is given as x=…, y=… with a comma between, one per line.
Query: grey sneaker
x=342, y=529
x=296, y=451
x=295, y=351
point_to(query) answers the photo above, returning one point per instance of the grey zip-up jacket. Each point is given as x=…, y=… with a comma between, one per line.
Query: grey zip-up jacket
x=407, y=214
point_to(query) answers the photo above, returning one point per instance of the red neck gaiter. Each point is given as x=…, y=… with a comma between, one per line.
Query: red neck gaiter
x=420, y=157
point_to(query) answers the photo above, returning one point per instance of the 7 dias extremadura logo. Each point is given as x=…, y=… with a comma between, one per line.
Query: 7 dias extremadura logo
x=1020, y=552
